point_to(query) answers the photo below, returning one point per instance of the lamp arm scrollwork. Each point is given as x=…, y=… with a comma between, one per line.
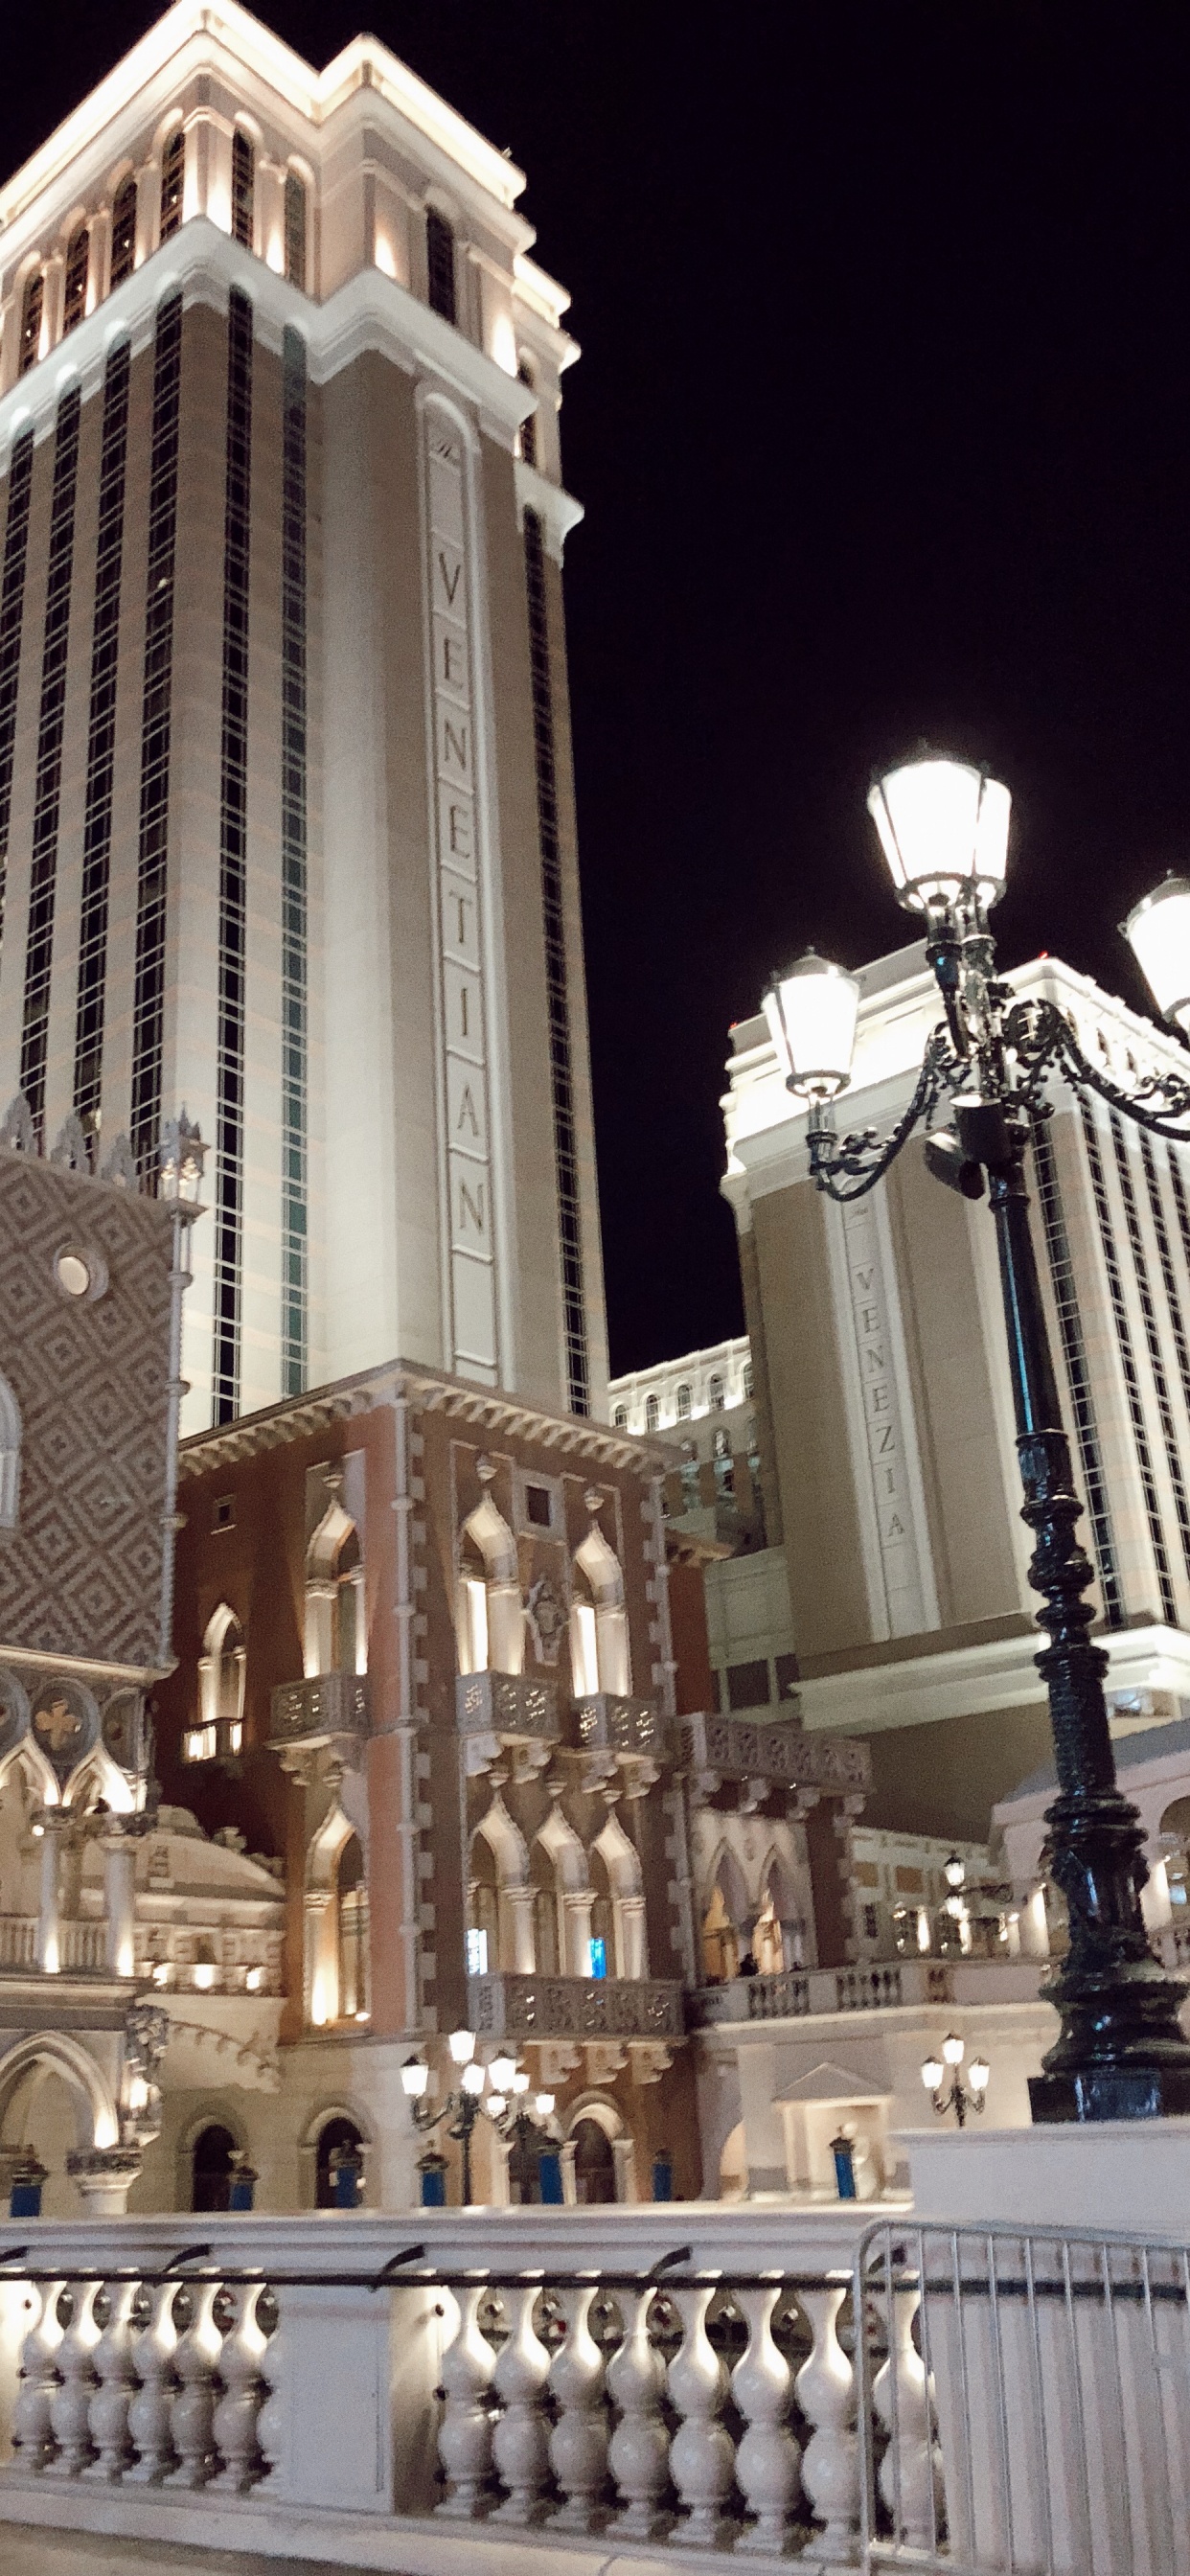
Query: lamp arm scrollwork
x=863, y=1157
x=1042, y=1041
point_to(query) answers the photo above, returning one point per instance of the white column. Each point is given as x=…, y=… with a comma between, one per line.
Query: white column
x=119, y=1883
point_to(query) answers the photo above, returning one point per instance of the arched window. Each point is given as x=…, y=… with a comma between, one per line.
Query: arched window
x=222, y=1677
x=336, y=1639
x=603, y=1928
x=243, y=187
x=31, y=322
x=211, y=2168
x=500, y=1892
x=594, y=2164
x=295, y=229
x=618, y=1882
x=546, y=1961
x=440, y=264
x=10, y=1456
x=490, y=1620
x=716, y=1395
x=620, y=1418
x=173, y=180
x=527, y=433
x=652, y=1413
x=683, y=1404
x=124, y=231
x=483, y=1931
x=352, y=1900
x=74, y=299
x=338, y=2133
x=599, y=1658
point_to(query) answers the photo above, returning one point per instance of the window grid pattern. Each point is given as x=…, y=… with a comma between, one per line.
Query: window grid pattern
x=12, y=609
x=31, y=323
x=148, y=1004
x=440, y=265
x=295, y=230
x=243, y=187
x=1169, y=1276
x=1181, y=1203
x=233, y=886
x=101, y=742
x=1078, y=1375
x=574, y=1308
x=123, y=233
x=78, y=259
x=294, y=1254
x=173, y=178
x=528, y=432
x=1140, y=1434
x=47, y=793
x=1140, y=1264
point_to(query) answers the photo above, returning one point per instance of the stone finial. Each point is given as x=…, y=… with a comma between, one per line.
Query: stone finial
x=17, y=1129
x=71, y=1153
x=180, y=1158
x=120, y=1167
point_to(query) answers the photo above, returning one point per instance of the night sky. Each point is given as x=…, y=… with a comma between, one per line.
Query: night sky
x=881, y=428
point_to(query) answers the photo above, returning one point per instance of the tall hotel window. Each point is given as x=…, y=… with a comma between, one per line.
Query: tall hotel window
x=440, y=264
x=153, y=834
x=74, y=301
x=1078, y=1375
x=12, y=604
x=295, y=230
x=293, y=866
x=1144, y=1458
x=47, y=793
x=528, y=428
x=101, y=741
x=31, y=322
x=173, y=180
x=233, y=855
x=243, y=187
x=123, y=232
x=574, y=1312
x=1152, y=1334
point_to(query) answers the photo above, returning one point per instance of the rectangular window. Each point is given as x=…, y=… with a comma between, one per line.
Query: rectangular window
x=598, y=1955
x=12, y=606
x=223, y=1516
x=1124, y=1344
x=1078, y=1375
x=123, y=233
x=243, y=187
x=31, y=312
x=295, y=230
x=787, y=1676
x=440, y=265
x=101, y=742
x=156, y=710
x=477, y=1954
x=294, y=1148
x=173, y=180
x=43, y=874
x=74, y=299
x=747, y=1685
x=233, y=863
x=200, y=1743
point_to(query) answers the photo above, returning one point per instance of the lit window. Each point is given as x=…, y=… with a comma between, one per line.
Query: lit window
x=477, y=1953
x=440, y=265
x=31, y=322
x=652, y=1413
x=173, y=173
x=295, y=230
x=722, y=1444
x=200, y=1744
x=620, y=1418
x=747, y=1380
x=528, y=429
x=74, y=302
x=243, y=187
x=716, y=1395
x=683, y=1404
x=598, y=1955
x=124, y=232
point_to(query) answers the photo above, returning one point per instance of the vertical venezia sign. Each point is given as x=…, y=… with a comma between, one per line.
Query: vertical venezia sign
x=883, y=1424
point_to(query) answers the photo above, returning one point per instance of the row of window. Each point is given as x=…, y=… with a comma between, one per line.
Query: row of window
x=684, y=1402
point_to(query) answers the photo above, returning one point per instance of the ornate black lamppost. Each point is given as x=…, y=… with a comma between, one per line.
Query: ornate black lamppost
x=1121, y=2054
x=504, y=2106
x=958, y=2097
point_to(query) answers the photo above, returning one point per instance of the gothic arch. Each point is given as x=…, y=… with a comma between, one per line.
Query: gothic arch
x=322, y=1919
x=621, y=1861
x=96, y=2117
x=335, y=1638
x=598, y=1620
x=569, y=1886
x=491, y=1617
x=512, y=1884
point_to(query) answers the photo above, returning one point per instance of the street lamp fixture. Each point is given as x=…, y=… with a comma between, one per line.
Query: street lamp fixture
x=504, y=2104
x=958, y=2097
x=943, y=825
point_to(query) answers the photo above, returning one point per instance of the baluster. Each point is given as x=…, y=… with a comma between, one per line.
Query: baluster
x=270, y=2423
x=825, y=2387
x=520, y=2443
x=150, y=2416
x=638, y=2453
x=32, y=2424
x=465, y=2432
x=70, y=2407
x=767, y=2460
x=578, y=2442
x=237, y=2412
x=115, y=2369
x=702, y=2453
x=911, y=2470
x=196, y=2362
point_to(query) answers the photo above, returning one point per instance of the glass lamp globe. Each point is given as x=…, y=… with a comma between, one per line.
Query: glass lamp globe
x=502, y=2070
x=954, y=1871
x=1158, y=933
x=543, y=2105
x=811, y=1013
x=978, y=2074
x=943, y=828
x=462, y=2046
x=415, y=2076
x=473, y=2077
x=953, y=2048
x=931, y=2073
x=496, y=2106
x=520, y=2080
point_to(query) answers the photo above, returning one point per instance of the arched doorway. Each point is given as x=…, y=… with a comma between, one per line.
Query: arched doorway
x=211, y=2167
x=339, y=2132
x=594, y=2164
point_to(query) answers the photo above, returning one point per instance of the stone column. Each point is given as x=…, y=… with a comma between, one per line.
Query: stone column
x=103, y=2178
x=53, y=1823
x=119, y=1881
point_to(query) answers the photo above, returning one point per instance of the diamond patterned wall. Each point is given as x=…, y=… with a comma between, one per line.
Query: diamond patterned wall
x=83, y=1571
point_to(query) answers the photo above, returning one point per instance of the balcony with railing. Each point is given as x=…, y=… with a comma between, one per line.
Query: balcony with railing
x=506, y=2006
x=312, y=1713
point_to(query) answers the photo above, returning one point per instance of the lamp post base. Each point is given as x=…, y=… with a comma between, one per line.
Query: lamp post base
x=1112, y=2093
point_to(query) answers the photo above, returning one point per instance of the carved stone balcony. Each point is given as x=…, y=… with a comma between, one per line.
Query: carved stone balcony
x=625, y=1735
x=773, y=1754
x=319, y=1720
x=513, y=1713
x=577, y=2009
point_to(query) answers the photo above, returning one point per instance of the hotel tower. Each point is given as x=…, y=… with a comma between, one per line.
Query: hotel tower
x=286, y=813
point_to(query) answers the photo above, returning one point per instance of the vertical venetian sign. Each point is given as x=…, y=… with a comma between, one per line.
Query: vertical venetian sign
x=465, y=1084
x=883, y=1426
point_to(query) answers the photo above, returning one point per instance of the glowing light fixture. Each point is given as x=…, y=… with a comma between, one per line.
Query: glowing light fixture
x=1158, y=933
x=497, y=2106
x=979, y=2074
x=502, y=2071
x=954, y=1871
x=462, y=2046
x=944, y=831
x=931, y=2073
x=811, y=1013
x=473, y=2077
x=543, y=2105
x=953, y=2048
x=415, y=2076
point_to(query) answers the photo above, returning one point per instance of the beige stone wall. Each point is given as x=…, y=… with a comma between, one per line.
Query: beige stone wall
x=809, y=1424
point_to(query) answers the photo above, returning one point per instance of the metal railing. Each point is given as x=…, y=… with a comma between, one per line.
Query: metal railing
x=1023, y=2402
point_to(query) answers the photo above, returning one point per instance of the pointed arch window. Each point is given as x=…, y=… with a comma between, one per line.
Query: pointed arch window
x=10, y=1456
x=490, y=1617
x=173, y=181
x=222, y=1679
x=599, y=1657
x=78, y=260
x=243, y=187
x=351, y=1897
x=336, y=1634
x=31, y=312
x=440, y=265
x=124, y=231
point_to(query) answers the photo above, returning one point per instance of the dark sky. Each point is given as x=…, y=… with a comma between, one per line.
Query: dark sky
x=881, y=428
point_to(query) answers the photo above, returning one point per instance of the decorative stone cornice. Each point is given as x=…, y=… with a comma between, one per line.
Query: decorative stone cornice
x=773, y=1753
